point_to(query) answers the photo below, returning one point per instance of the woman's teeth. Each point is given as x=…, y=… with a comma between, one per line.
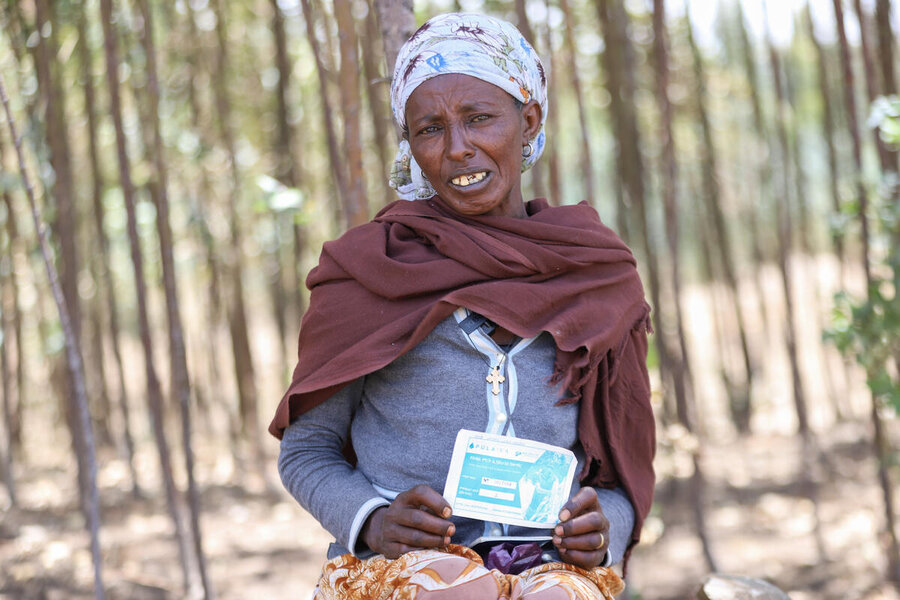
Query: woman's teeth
x=464, y=180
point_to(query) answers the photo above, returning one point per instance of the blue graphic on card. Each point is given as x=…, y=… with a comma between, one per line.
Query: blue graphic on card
x=510, y=480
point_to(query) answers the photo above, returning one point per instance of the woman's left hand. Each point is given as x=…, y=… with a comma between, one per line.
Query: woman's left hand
x=582, y=534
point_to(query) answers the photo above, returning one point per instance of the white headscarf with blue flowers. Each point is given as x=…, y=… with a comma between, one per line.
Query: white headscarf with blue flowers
x=470, y=44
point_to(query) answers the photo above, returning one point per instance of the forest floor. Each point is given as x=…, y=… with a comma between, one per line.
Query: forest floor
x=260, y=544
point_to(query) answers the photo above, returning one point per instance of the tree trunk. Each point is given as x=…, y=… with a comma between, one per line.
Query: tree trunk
x=612, y=61
x=740, y=391
x=102, y=241
x=828, y=132
x=237, y=315
x=587, y=161
x=887, y=159
x=334, y=159
x=680, y=363
x=880, y=443
x=64, y=224
x=538, y=188
x=785, y=244
x=853, y=125
x=377, y=88
x=154, y=392
x=762, y=166
x=13, y=312
x=201, y=195
x=398, y=23
x=6, y=448
x=551, y=150
x=289, y=173
x=181, y=384
x=356, y=211
x=73, y=360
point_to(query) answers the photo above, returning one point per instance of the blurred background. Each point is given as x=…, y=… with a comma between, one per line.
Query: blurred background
x=189, y=157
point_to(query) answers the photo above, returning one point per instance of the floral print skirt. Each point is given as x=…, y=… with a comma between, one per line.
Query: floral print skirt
x=457, y=572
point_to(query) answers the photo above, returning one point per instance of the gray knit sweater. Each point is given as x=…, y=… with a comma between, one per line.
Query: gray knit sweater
x=404, y=420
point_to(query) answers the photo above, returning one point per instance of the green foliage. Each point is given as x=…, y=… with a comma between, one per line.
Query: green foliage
x=868, y=329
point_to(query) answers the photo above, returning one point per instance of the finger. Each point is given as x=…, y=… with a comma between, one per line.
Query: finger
x=423, y=521
x=425, y=496
x=586, y=523
x=584, y=500
x=594, y=541
x=414, y=538
x=585, y=560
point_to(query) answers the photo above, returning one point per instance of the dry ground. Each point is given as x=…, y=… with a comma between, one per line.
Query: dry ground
x=260, y=544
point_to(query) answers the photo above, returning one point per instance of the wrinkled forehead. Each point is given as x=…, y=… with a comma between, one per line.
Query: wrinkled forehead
x=455, y=92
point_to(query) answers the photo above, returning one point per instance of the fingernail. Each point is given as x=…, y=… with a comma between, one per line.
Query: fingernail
x=447, y=512
x=564, y=515
x=558, y=531
x=562, y=550
x=446, y=541
x=451, y=530
x=557, y=541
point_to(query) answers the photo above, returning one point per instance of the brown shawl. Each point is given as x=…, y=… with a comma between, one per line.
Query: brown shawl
x=382, y=287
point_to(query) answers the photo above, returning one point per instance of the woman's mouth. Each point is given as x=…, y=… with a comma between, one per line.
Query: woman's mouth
x=469, y=179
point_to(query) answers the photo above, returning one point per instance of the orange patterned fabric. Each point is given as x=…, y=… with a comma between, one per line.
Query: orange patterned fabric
x=458, y=572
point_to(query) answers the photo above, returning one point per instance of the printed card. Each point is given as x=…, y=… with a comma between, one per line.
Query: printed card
x=508, y=480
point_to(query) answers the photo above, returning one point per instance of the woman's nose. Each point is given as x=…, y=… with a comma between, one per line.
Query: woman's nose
x=459, y=146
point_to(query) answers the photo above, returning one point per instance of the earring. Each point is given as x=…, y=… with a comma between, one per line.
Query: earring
x=527, y=150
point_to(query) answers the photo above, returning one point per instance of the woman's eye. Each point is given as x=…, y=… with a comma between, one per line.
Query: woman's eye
x=428, y=129
x=478, y=118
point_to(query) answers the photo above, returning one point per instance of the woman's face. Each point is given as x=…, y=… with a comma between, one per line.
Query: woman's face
x=467, y=136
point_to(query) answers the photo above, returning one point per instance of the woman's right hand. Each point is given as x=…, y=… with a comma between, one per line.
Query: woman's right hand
x=411, y=522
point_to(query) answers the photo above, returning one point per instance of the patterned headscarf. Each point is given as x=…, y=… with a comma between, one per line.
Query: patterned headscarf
x=477, y=45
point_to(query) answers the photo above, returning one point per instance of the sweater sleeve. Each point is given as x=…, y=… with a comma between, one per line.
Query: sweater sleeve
x=620, y=513
x=316, y=473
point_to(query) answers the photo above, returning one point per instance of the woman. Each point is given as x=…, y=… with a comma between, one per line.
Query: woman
x=469, y=309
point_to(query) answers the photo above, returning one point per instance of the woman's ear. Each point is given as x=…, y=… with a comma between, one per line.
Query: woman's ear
x=531, y=120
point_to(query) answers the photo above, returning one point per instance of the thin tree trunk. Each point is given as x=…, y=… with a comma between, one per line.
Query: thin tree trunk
x=886, y=38
x=809, y=450
x=398, y=23
x=13, y=312
x=376, y=88
x=6, y=449
x=355, y=204
x=154, y=392
x=73, y=360
x=887, y=159
x=615, y=27
x=289, y=173
x=804, y=221
x=552, y=149
x=201, y=194
x=880, y=444
x=853, y=124
x=587, y=161
x=64, y=224
x=828, y=132
x=612, y=61
x=181, y=384
x=680, y=364
x=538, y=187
x=102, y=241
x=331, y=137
x=237, y=314
x=785, y=240
x=740, y=392
x=763, y=168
